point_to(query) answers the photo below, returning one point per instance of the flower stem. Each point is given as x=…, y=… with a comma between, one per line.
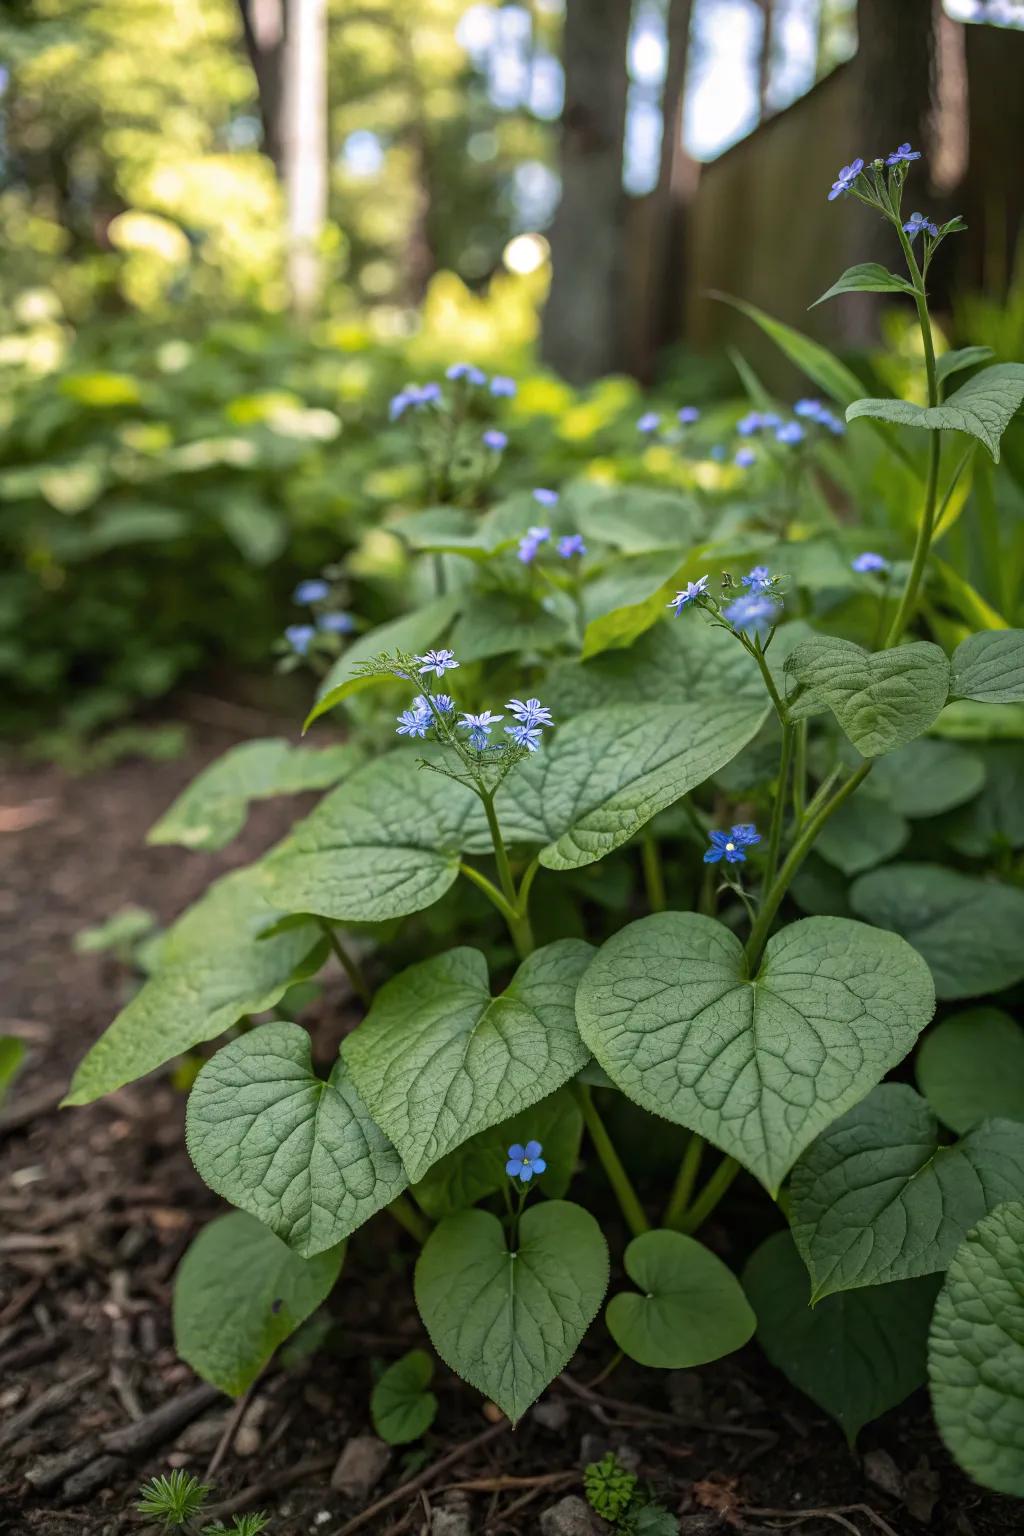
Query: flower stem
x=490, y=890
x=800, y=775
x=714, y=1190
x=682, y=1190
x=407, y=1216
x=618, y=1178
x=654, y=878
x=517, y=919
x=757, y=651
x=779, y=805
x=349, y=964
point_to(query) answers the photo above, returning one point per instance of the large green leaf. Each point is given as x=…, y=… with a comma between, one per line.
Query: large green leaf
x=881, y=701
x=868, y=277
x=509, y=1322
x=300, y=1153
x=968, y=930
x=927, y=777
x=438, y=1058
x=976, y=1353
x=879, y=1198
x=637, y=519
x=758, y=1065
x=240, y=1292
x=214, y=968
x=627, y=599
x=816, y=361
x=983, y=407
x=989, y=667
x=496, y=623
x=401, y=1405
x=476, y=1169
x=861, y=834
x=692, y=1308
x=994, y=821
x=414, y=631
x=971, y=1068
x=212, y=810
x=857, y=1354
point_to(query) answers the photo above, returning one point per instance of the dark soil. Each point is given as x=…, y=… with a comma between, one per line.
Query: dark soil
x=97, y=1206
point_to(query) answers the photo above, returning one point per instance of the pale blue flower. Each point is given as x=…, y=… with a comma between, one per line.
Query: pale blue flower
x=479, y=727
x=649, y=422
x=503, y=388
x=690, y=594
x=415, y=721
x=571, y=544
x=524, y=1162
x=846, y=178
x=299, y=637
x=903, y=155
x=812, y=409
x=530, y=712
x=312, y=591
x=438, y=662
x=443, y=703
x=527, y=736
x=759, y=579
x=413, y=397
x=730, y=845
x=790, y=433
x=495, y=440
x=531, y=541
x=336, y=623
x=545, y=497
x=918, y=222
x=688, y=415
x=869, y=561
x=467, y=371
x=749, y=424
x=745, y=458
x=752, y=614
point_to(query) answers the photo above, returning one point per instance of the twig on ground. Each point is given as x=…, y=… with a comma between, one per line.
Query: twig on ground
x=51, y=1401
x=227, y=1439
x=836, y=1513
x=641, y=1415
x=422, y=1479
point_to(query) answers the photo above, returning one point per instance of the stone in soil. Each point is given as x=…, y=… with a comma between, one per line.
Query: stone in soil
x=360, y=1466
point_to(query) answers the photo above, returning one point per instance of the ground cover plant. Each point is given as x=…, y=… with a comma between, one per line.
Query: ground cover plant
x=712, y=848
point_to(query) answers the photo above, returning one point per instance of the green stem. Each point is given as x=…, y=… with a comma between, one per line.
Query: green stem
x=348, y=963
x=757, y=652
x=779, y=805
x=715, y=1188
x=772, y=898
x=518, y=921
x=610, y=1161
x=407, y=1216
x=654, y=879
x=686, y=1179
x=490, y=890
x=800, y=775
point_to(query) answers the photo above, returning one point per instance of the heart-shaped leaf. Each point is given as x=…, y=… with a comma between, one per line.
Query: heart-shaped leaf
x=438, y=1058
x=692, y=1309
x=508, y=1323
x=976, y=1353
x=989, y=667
x=967, y=929
x=878, y=1198
x=971, y=1068
x=857, y=1354
x=401, y=1405
x=238, y=1293
x=983, y=407
x=299, y=1153
x=758, y=1065
x=880, y=700
x=868, y=277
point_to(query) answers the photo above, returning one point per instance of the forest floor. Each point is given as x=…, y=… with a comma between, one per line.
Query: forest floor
x=97, y=1206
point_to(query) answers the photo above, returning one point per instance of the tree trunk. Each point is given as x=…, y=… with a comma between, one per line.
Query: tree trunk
x=305, y=147
x=263, y=26
x=583, y=332
x=764, y=62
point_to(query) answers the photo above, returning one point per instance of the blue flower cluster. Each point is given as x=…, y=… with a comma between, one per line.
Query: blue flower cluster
x=414, y=397
x=754, y=611
x=730, y=845
x=530, y=715
x=848, y=178
x=869, y=561
x=524, y=1162
x=308, y=594
x=568, y=546
x=918, y=223
x=418, y=720
x=819, y=413
x=650, y=422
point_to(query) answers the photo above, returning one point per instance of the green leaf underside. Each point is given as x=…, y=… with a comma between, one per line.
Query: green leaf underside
x=983, y=407
x=438, y=1059
x=989, y=667
x=692, y=1309
x=877, y=1198
x=299, y=1153
x=881, y=701
x=476, y=1169
x=976, y=1353
x=510, y=1323
x=214, y=968
x=401, y=1406
x=971, y=1068
x=757, y=1067
x=857, y=1354
x=412, y=632
x=968, y=930
x=212, y=810
x=868, y=277
x=240, y=1292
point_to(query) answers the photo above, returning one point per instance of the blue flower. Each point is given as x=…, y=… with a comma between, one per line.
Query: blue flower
x=571, y=544
x=752, y=614
x=438, y=662
x=531, y=541
x=846, y=178
x=531, y=712
x=749, y=424
x=467, y=371
x=745, y=458
x=812, y=409
x=495, y=440
x=759, y=579
x=503, y=388
x=312, y=591
x=544, y=497
x=443, y=703
x=790, y=433
x=832, y=423
x=869, y=561
x=649, y=422
x=916, y=223
x=412, y=397
x=299, y=637
x=524, y=1162
x=527, y=736
x=730, y=845
x=479, y=727
x=690, y=593
x=688, y=415
x=903, y=155
x=415, y=721
x=336, y=623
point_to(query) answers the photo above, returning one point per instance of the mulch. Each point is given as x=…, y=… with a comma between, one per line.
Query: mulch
x=97, y=1206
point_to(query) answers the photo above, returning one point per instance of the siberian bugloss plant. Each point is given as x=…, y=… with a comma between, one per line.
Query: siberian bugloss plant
x=661, y=809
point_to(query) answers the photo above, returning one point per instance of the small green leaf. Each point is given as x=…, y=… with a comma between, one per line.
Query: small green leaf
x=212, y=810
x=983, y=407
x=881, y=701
x=960, y=357
x=878, y=1198
x=401, y=1406
x=299, y=1153
x=12, y=1054
x=508, y=1323
x=857, y=1354
x=976, y=1353
x=692, y=1309
x=758, y=1065
x=989, y=667
x=968, y=930
x=412, y=632
x=238, y=1293
x=971, y=1068
x=437, y=1058
x=868, y=277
